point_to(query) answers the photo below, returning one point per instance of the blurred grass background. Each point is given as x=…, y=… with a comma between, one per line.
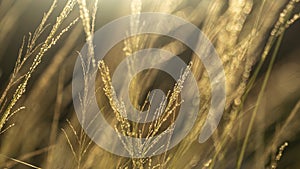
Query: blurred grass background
x=49, y=91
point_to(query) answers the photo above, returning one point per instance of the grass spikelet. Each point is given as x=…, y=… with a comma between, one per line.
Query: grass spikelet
x=37, y=58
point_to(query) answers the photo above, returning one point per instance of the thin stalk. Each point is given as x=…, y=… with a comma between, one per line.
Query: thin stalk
x=260, y=97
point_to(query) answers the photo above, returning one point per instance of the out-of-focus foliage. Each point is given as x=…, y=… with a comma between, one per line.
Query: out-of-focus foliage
x=256, y=40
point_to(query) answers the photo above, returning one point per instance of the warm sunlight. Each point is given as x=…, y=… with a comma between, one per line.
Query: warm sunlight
x=149, y=84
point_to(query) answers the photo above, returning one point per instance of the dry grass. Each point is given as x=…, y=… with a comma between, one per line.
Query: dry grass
x=38, y=125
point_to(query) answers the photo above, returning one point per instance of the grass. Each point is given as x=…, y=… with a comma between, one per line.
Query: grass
x=38, y=125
